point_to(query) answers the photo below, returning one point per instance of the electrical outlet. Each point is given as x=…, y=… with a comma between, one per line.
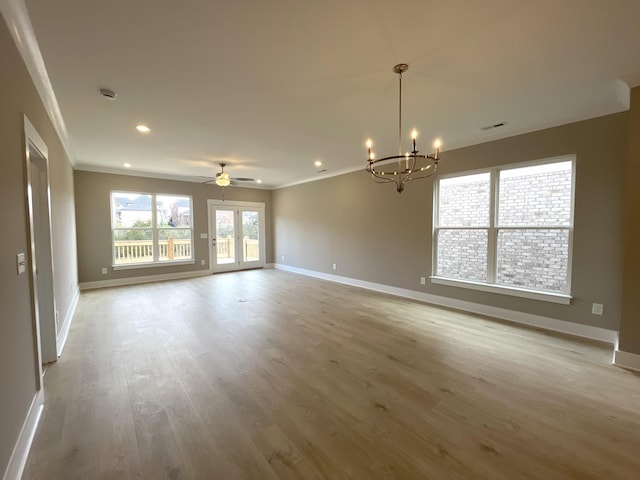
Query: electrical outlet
x=202, y=262
x=282, y=258
x=104, y=270
x=597, y=309
x=423, y=281
x=21, y=263
x=335, y=266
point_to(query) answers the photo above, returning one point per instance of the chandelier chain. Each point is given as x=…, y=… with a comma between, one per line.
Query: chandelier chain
x=400, y=115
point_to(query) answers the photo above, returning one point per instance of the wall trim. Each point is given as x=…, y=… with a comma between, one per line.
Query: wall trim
x=21, y=449
x=119, y=282
x=547, y=323
x=626, y=360
x=64, y=331
x=17, y=17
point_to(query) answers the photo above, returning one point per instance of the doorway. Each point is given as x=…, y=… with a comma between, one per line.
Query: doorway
x=40, y=255
x=236, y=233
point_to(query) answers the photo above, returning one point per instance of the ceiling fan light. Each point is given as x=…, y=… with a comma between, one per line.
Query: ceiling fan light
x=223, y=179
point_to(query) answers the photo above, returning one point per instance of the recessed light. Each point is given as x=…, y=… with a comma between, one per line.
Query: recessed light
x=258, y=181
x=317, y=163
x=143, y=128
x=126, y=165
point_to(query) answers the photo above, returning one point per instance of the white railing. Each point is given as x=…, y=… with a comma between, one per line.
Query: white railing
x=141, y=251
x=251, y=250
x=225, y=248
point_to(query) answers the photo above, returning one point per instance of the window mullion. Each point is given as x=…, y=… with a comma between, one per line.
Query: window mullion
x=492, y=230
x=435, y=225
x=154, y=229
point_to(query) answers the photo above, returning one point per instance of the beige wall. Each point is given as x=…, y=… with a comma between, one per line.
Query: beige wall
x=18, y=96
x=94, y=225
x=374, y=234
x=630, y=323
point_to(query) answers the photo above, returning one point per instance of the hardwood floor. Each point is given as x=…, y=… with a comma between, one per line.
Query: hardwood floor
x=268, y=375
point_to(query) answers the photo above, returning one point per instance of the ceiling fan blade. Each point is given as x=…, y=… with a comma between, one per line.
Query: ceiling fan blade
x=243, y=179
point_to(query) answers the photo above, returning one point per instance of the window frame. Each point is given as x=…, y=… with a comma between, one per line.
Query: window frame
x=492, y=235
x=156, y=262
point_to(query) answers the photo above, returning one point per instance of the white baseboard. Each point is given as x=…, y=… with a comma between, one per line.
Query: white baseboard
x=626, y=360
x=64, y=331
x=561, y=326
x=21, y=449
x=119, y=282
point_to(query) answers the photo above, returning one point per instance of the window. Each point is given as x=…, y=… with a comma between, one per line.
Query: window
x=509, y=228
x=150, y=228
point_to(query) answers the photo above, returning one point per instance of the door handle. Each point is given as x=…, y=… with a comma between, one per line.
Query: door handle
x=213, y=242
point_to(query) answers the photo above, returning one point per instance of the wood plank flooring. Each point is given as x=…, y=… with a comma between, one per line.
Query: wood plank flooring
x=268, y=375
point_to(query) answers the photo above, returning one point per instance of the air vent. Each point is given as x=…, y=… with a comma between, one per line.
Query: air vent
x=491, y=127
x=108, y=94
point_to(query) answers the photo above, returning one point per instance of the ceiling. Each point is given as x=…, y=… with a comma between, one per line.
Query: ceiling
x=269, y=87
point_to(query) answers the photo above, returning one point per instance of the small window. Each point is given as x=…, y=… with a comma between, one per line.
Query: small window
x=150, y=228
x=507, y=227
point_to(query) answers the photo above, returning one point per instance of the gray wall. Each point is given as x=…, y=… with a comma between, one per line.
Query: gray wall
x=630, y=323
x=376, y=235
x=93, y=192
x=18, y=96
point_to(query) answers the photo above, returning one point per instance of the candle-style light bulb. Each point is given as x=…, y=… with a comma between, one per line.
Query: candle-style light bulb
x=437, y=144
x=414, y=135
x=369, y=145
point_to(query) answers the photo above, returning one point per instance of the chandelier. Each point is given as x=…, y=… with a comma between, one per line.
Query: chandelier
x=403, y=167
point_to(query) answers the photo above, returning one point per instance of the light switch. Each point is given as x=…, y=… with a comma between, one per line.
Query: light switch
x=21, y=263
x=203, y=235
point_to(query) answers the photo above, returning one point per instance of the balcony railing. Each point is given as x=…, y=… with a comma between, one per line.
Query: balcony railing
x=226, y=250
x=141, y=251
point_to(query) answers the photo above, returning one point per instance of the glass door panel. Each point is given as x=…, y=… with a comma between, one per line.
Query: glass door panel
x=225, y=237
x=250, y=236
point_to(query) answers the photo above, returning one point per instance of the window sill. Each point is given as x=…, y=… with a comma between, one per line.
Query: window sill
x=131, y=266
x=561, y=298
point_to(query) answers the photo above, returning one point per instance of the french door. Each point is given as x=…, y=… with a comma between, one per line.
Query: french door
x=236, y=235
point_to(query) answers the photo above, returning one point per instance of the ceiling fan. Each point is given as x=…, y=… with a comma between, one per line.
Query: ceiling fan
x=223, y=179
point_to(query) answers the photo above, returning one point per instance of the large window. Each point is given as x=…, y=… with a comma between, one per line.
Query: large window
x=150, y=228
x=509, y=228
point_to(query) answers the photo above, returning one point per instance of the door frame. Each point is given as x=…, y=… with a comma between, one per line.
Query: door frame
x=44, y=329
x=238, y=206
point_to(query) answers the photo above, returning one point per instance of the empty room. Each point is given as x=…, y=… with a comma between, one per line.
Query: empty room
x=320, y=240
